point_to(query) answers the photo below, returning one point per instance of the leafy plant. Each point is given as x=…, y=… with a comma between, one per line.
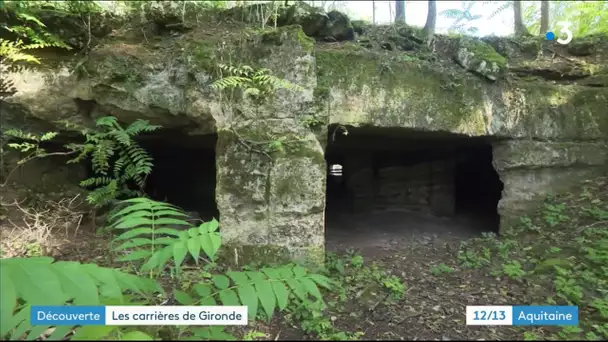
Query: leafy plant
x=41, y=281
x=356, y=261
x=117, y=159
x=554, y=213
x=269, y=288
x=462, y=18
x=395, y=286
x=28, y=33
x=441, y=269
x=29, y=143
x=314, y=321
x=255, y=83
x=513, y=269
x=148, y=223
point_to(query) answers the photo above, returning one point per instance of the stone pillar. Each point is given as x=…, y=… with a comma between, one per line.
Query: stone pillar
x=271, y=209
x=271, y=168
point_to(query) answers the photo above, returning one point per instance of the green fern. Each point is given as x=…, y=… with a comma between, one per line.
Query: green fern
x=269, y=289
x=256, y=83
x=30, y=143
x=152, y=224
x=41, y=281
x=116, y=159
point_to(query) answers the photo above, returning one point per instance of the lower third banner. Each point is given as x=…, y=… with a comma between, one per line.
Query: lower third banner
x=138, y=315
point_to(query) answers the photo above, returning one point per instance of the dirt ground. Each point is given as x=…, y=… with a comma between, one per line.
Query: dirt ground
x=409, y=245
x=424, y=254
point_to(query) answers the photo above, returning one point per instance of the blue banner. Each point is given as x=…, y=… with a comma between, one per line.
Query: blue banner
x=545, y=315
x=68, y=315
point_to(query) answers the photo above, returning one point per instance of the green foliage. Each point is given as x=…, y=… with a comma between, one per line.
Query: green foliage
x=268, y=289
x=30, y=143
x=117, y=159
x=395, y=286
x=258, y=84
x=147, y=223
x=312, y=318
x=41, y=281
x=563, y=251
x=584, y=17
x=30, y=33
x=463, y=18
x=27, y=34
x=513, y=269
x=441, y=269
x=554, y=213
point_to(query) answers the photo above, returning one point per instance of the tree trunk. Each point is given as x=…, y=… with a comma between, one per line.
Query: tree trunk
x=431, y=20
x=544, y=17
x=520, y=28
x=374, y=12
x=399, y=11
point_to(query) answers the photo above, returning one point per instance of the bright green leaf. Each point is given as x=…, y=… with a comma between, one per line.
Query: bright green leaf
x=282, y=294
x=311, y=287
x=229, y=297
x=136, y=255
x=183, y=298
x=266, y=296
x=179, y=253
x=221, y=281
x=194, y=247
x=133, y=233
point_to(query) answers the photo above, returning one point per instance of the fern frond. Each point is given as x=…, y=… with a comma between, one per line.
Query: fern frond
x=19, y=134
x=269, y=289
x=29, y=17
x=139, y=126
x=103, y=195
x=119, y=164
x=104, y=150
x=230, y=82
x=121, y=136
x=11, y=51
x=84, y=149
x=107, y=121
x=95, y=181
x=48, y=136
x=82, y=284
x=143, y=217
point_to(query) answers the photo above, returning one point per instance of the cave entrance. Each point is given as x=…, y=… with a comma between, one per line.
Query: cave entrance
x=184, y=172
x=387, y=185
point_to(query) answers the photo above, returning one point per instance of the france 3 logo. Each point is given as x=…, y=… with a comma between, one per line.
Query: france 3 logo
x=564, y=30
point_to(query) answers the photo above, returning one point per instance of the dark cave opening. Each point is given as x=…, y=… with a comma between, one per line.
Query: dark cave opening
x=394, y=182
x=184, y=172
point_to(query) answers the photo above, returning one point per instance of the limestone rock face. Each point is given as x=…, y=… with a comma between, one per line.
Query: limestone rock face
x=480, y=58
x=548, y=133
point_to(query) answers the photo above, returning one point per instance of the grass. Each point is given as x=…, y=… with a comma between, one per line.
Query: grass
x=557, y=255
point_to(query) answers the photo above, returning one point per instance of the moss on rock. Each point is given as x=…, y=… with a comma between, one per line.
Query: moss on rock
x=479, y=57
x=483, y=51
x=411, y=93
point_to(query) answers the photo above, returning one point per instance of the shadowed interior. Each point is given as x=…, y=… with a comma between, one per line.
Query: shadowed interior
x=384, y=185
